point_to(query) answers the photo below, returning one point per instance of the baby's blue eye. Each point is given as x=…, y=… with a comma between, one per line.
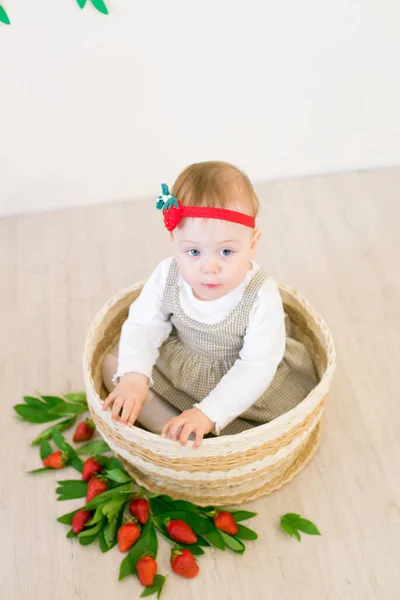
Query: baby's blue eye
x=198, y=252
x=226, y=252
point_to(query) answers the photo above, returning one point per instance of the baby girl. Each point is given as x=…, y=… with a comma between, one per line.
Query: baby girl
x=207, y=347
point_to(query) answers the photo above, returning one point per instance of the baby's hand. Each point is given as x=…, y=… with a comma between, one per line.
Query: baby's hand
x=130, y=393
x=192, y=420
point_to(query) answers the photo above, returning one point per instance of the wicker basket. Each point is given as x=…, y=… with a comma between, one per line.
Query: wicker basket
x=226, y=469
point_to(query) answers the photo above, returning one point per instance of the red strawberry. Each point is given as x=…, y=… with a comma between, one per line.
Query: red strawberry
x=56, y=460
x=146, y=568
x=84, y=431
x=172, y=216
x=81, y=517
x=183, y=563
x=140, y=508
x=181, y=532
x=95, y=487
x=128, y=534
x=226, y=523
x=90, y=468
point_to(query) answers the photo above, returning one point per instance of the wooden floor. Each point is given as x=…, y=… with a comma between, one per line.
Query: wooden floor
x=336, y=239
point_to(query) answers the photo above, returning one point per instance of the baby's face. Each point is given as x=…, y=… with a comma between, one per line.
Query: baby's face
x=213, y=255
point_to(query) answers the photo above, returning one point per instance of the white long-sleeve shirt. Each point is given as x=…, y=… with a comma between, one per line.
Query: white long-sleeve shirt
x=148, y=325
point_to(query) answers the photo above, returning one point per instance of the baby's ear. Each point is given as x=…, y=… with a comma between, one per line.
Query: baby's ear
x=256, y=238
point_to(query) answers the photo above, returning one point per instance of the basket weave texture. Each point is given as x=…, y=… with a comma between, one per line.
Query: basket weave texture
x=227, y=469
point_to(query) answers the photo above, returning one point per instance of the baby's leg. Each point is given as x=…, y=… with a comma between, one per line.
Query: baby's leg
x=155, y=412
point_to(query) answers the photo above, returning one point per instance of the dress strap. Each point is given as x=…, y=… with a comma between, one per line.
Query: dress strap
x=172, y=280
x=252, y=290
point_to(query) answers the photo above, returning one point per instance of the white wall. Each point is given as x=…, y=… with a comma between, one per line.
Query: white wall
x=96, y=108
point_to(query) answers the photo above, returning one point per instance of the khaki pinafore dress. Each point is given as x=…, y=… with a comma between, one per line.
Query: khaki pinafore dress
x=195, y=357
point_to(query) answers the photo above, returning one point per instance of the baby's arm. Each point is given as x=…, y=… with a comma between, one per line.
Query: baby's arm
x=253, y=371
x=142, y=334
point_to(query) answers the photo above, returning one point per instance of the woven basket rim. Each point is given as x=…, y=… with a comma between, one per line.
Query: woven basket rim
x=257, y=432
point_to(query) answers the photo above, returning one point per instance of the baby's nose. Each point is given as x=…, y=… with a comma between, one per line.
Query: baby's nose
x=210, y=268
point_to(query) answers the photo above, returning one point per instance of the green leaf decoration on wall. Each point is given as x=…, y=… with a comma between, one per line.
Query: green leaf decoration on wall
x=101, y=7
x=4, y=16
x=99, y=4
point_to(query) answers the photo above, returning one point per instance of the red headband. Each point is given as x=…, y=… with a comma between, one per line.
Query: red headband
x=173, y=212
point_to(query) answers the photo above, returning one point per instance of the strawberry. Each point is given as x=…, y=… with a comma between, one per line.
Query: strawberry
x=181, y=532
x=81, y=517
x=84, y=431
x=128, y=534
x=95, y=487
x=90, y=468
x=172, y=216
x=56, y=460
x=225, y=522
x=146, y=568
x=184, y=564
x=140, y=508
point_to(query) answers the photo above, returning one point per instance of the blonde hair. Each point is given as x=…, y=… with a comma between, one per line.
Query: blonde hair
x=216, y=184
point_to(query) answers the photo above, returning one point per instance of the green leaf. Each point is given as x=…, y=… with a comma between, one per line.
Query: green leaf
x=156, y=588
x=110, y=532
x=67, y=408
x=34, y=415
x=113, y=494
x=52, y=400
x=81, y=3
x=76, y=464
x=291, y=517
x=35, y=403
x=69, y=490
x=126, y=568
x=202, y=542
x=67, y=519
x=289, y=528
x=40, y=470
x=244, y=533
x=291, y=523
x=180, y=504
x=102, y=542
x=71, y=534
x=158, y=506
x=195, y=549
x=307, y=527
x=90, y=532
x=48, y=433
x=4, y=17
x=215, y=538
x=98, y=516
x=78, y=397
x=232, y=543
x=93, y=448
x=45, y=449
x=101, y=7
x=118, y=475
x=110, y=462
x=112, y=508
x=74, y=459
x=86, y=541
x=242, y=515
